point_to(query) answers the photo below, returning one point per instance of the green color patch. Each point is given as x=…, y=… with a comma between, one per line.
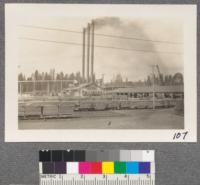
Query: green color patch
x=120, y=167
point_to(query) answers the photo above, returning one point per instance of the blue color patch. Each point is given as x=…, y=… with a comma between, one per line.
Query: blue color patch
x=144, y=167
x=132, y=167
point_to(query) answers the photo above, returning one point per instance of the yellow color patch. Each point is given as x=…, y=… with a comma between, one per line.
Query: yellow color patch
x=107, y=167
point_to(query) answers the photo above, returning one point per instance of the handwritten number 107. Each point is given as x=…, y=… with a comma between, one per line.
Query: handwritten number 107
x=179, y=135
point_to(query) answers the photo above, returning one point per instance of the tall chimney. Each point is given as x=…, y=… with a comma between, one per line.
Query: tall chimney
x=88, y=52
x=92, y=52
x=83, y=59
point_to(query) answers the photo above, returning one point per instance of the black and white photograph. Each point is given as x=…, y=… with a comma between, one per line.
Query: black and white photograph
x=93, y=67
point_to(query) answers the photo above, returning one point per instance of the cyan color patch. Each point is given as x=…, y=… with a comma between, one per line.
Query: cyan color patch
x=132, y=167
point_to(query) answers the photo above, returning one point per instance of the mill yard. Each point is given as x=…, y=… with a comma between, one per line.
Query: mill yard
x=112, y=119
x=81, y=101
x=121, y=108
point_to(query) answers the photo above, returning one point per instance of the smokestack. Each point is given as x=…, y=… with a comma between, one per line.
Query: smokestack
x=88, y=52
x=83, y=59
x=92, y=52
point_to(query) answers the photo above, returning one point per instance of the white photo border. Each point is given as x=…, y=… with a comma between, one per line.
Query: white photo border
x=188, y=13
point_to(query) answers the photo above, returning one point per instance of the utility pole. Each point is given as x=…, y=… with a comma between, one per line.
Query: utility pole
x=20, y=87
x=48, y=87
x=153, y=86
x=34, y=84
x=61, y=85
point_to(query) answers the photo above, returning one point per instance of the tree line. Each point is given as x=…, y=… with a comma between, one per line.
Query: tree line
x=161, y=79
x=50, y=76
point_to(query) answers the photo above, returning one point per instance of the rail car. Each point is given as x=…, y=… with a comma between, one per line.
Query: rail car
x=61, y=108
x=116, y=104
x=46, y=110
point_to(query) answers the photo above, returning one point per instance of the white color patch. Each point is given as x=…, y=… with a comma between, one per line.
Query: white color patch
x=148, y=155
x=153, y=170
x=40, y=167
x=72, y=168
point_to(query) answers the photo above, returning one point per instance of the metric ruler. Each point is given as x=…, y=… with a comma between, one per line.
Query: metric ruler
x=78, y=167
x=113, y=179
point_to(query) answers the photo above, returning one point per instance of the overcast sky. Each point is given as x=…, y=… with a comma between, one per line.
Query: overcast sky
x=131, y=64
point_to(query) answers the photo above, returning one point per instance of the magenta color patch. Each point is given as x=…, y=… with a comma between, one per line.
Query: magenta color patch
x=84, y=167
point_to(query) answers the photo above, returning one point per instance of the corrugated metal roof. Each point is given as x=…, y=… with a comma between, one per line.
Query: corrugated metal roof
x=146, y=89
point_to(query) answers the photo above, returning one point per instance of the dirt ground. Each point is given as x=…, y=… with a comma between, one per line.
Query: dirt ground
x=113, y=119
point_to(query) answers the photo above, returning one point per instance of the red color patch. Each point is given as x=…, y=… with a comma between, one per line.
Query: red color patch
x=96, y=167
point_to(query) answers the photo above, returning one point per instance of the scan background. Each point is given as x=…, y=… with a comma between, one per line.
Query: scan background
x=176, y=163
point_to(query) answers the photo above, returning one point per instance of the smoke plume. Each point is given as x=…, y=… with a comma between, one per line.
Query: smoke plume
x=107, y=21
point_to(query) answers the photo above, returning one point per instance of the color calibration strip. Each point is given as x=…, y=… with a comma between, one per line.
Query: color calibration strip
x=111, y=167
x=95, y=155
x=96, y=167
x=96, y=162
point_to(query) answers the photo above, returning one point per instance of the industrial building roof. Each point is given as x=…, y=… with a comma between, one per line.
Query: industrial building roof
x=147, y=89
